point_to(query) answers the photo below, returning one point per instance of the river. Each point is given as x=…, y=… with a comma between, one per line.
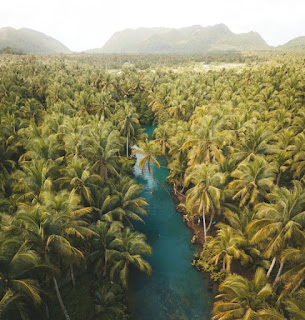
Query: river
x=175, y=290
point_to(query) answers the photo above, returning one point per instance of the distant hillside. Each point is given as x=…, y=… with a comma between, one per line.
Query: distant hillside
x=30, y=41
x=194, y=39
x=294, y=44
x=8, y=50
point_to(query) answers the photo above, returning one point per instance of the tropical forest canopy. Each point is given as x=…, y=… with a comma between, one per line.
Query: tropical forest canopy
x=235, y=143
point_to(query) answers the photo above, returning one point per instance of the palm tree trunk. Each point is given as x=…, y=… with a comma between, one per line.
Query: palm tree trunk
x=63, y=308
x=167, y=158
x=175, y=189
x=155, y=178
x=278, y=178
x=72, y=275
x=204, y=225
x=47, y=310
x=211, y=220
x=105, y=269
x=271, y=267
x=298, y=284
x=279, y=272
x=127, y=146
x=181, y=183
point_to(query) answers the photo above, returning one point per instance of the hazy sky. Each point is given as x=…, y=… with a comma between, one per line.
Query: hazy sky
x=82, y=25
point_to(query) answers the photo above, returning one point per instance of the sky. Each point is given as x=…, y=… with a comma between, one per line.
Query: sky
x=82, y=25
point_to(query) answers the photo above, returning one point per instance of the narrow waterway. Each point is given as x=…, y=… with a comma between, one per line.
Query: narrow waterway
x=175, y=290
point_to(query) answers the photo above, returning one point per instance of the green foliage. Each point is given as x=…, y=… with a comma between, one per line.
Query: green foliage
x=66, y=192
x=235, y=145
x=202, y=263
x=214, y=273
x=8, y=50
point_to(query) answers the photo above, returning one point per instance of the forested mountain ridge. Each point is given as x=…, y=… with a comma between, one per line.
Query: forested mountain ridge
x=294, y=44
x=189, y=40
x=30, y=41
x=193, y=39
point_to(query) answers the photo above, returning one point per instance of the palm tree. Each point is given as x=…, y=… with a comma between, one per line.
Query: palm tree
x=240, y=298
x=34, y=178
x=124, y=203
x=271, y=313
x=103, y=104
x=255, y=142
x=177, y=170
x=226, y=246
x=283, y=152
x=205, y=195
x=294, y=305
x=279, y=222
x=161, y=134
x=299, y=159
x=78, y=176
x=54, y=93
x=128, y=125
x=238, y=220
x=252, y=180
x=8, y=147
x=177, y=108
x=205, y=145
x=74, y=132
x=106, y=232
x=179, y=158
x=108, y=306
x=149, y=149
x=295, y=275
x=103, y=149
x=18, y=288
x=127, y=250
x=49, y=227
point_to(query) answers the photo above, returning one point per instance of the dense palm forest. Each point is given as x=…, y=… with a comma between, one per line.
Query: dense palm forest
x=235, y=143
x=236, y=151
x=68, y=199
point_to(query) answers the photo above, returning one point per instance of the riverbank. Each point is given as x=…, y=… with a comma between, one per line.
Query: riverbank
x=175, y=290
x=198, y=239
x=191, y=223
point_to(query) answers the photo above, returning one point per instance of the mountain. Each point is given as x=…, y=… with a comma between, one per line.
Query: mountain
x=30, y=41
x=294, y=44
x=193, y=39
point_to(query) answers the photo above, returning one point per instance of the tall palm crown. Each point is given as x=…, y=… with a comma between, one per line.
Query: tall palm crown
x=252, y=180
x=149, y=150
x=280, y=221
x=128, y=124
x=226, y=246
x=18, y=288
x=205, y=195
x=241, y=298
x=124, y=203
x=128, y=250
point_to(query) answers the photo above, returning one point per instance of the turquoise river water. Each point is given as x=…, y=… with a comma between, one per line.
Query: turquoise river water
x=175, y=290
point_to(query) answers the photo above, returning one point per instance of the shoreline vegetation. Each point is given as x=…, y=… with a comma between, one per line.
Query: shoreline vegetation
x=236, y=165
x=235, y=142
